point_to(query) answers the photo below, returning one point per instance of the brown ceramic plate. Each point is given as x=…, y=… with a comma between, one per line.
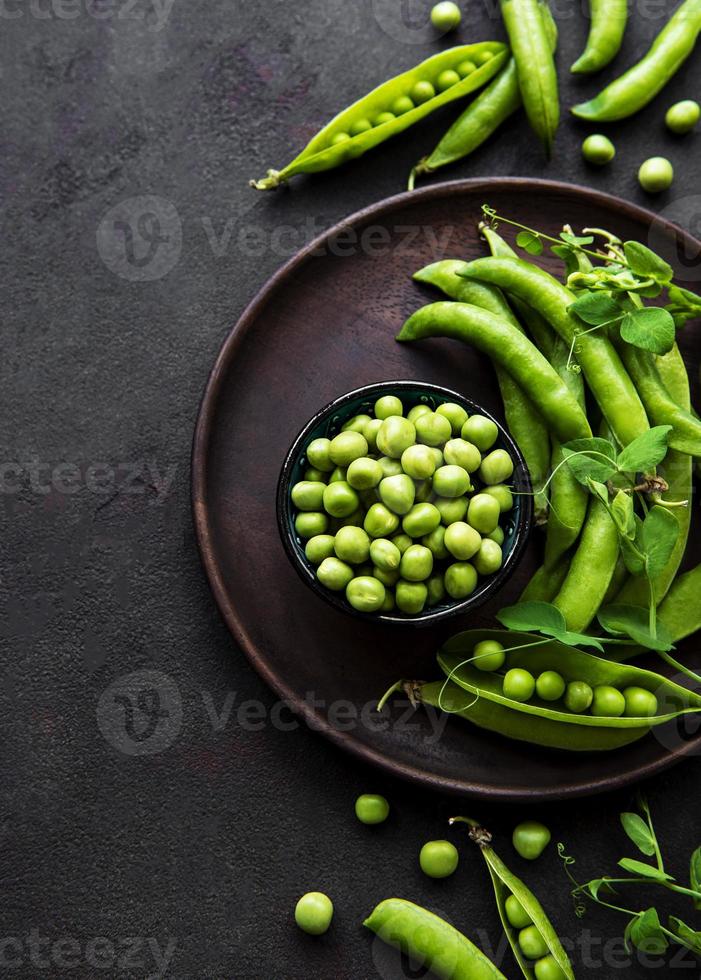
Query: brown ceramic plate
x=324, y=324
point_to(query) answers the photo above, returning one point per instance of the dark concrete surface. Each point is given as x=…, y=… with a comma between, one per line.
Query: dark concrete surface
x=186, y=862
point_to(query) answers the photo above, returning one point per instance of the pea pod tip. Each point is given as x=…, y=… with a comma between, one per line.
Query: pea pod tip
x=268, y=183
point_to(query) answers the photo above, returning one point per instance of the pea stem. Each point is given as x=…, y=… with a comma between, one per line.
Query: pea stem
x=388, y=694
x=678, y=666
x=494, y=218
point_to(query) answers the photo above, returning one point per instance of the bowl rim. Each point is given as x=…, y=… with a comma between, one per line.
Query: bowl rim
x=429, y=617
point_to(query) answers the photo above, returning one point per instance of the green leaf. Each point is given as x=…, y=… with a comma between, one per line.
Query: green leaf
x=599, y=490
x=695, y=874
x=596, y=308
x=646, y=933
x=571, y=239
x=687, y=935
x=639, y=832
x=568, y=256
x=659, y=536
x=632, y=551
x=683, y=305
x=530, y=242
x=576, y=639
x=598, y=885
x=532, y=617
x=646, y=264
x=643, y=870
x=633, y=621
x=650, y=328
x=646, y=452
x=623, y=514
x=586, y=466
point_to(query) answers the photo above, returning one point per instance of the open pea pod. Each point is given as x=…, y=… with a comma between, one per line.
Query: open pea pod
x=505, y=884
x=322, y=153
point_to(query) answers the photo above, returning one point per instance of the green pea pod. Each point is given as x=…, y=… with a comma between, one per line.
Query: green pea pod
x=434, y=942
x=602, y=366
x=323, y=154
x=608, y=25
x=505, y=884
x=546, y=583
x=522, y=418
x=506, y=345
x=641, y=83
x=483, y=116
x=680, y=611
x=537, y=76
x=619, y=577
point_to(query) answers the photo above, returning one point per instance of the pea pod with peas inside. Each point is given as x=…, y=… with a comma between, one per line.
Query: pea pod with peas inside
x=394, y=106
x=608, y=25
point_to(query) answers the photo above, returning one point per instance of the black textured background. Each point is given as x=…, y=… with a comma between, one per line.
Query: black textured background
x=206, y=844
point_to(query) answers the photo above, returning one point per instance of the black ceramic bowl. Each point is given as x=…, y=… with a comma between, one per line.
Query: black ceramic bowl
x=329, y=422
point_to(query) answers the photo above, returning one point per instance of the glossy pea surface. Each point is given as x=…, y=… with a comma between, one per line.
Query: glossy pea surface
x=439, y=859
x=371, y=808
x=530, y=839
x=313, y=913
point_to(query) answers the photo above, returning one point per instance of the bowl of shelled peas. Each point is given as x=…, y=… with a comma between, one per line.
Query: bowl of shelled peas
x=404, y=502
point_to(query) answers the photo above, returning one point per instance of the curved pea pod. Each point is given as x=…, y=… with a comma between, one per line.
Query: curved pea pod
x=608, y=25
x=681, y=610
x=506, y=883
x=641, y=83
x=321, y=153
x=546, y=583
x=539, y=721
x=434, y=942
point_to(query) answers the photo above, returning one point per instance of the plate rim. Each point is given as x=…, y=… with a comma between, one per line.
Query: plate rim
x=200, y=511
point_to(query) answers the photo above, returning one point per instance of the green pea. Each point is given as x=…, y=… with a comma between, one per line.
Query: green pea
x=432, y=429
x=683, y=116
x=334, y=574
x=639, y=703
x=460, y=580
x=388, y=605
x=313, y=913
x=385, y=554
x=347, y=446
x=532, y=943
x=456, y=415
x=360, y=126
x=496, y=467
x=422, y=92
x=352, y=544
x=461, y=540
x=411, y=596
x=530, y=839
x=424, y=491
x=489, y=558
x=417, y=411
x=308, y=495
x=482, y=57
x=447, y=79
x=416, y=564
x=451, y=481
x=488, y=655
x=384, y=117
x=318, y=454
x=516, y=914
x=439, y=858
x=364, y=473
x=422, y=519
x=655, y=175
x=313, y=475
x=607, y=702
x=353, y=520
x=418, y=462
x=497, y=535
x=371, y=809
x=340, y=138
x=435, y=542
x=309, y=524
x=598, y=149
x=340, y=499
x=402, y=542
x=480, y=431
x=388, y=579
x=401, y=105
x=380, y=522
x=389, y=466
x=548, y=968
x=466, y=68
x=458, y=452
x=578, y=696
x=436, y=590
x=446, y=16
x=437, y=456
x=356, y=424
x=398, y=493
x=503, y=496
x=365, y=593
x=483, y=513
x=319, y=547
x=387, y=406
x=519, y=684
x=451, y=510
x=370, y=433
x=338, y=475
x=396, y=434
x=550, y=685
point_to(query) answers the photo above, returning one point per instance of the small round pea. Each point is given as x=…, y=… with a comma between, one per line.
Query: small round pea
x=435, y=542
x=466, y=68
x=519, y=684
x=402, y=542
x=436, y=589
x=432, y=429
x=456, y=415
x=308, y=495
x=334, y=574
x=338, y=475
x=364, y=473
x=451, y=510
x=388, y=405
x=416, y=564
x=340, y=138
x=446, y=16
x=356, y=424
x=482, y=57
x=417, y=411
x=497, y=535
x=371, y=809
x=683, y=116
x=458, y=452
x=483, y=513
x=639, y=703
x=318, y=454
x=347, y=446
x=389, y=466
x=319, y=547
x=489, y=558
x=423, y=518
x=410, y=596
x=550, y=685
x=383, y=117
x=480, y=431
x=370, y=433
x=422, y=92
x=380, y=522
x=502, y=494
x=439, y=858
x=388, y=578
x=496, y=467
x=340, y=499
x=578, y=696
x=516, y=914
x=451, y=481
x=447, y=79
x=598, y=149
x=547, y=968
x=437, y=456
x=461, y=540
x=532, y=943
x=388, y=605
x=398, y=493
x=488, y=655
x=313, y=475
x=395, y=435
x=360, y=126
x=310, y=523
x=418, y=462
x=353, y=520
x=401, y=105
x=352, y=544
x=365, y=593
x=656, y=175
x=530, y=839
x=607, y=702
x=313, y=913
x=460, y=580
x=384, y=554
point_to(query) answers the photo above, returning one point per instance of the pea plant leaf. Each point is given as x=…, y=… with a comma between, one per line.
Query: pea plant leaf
x=686, y=935
x=633, y=621
x=643, y=870
x=683, y=305
x=568, y=256
x=645, y=452
x=599, y=490
x=543, y=617
x=596, y=308
x=646, y=933
x=646, y=263
x=623, y=513
x=590, y=459
x=632, y=549
x=695, y=874
x=659, y=536
x=576, y=240
x=639, y=832
x=649, y=328
x=530, y=242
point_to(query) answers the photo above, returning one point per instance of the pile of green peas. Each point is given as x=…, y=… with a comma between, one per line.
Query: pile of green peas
x=602, y=700
x=531, y=943
x=388, y=507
